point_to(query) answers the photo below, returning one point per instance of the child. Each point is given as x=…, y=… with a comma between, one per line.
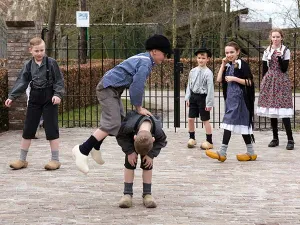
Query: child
x=140, y=135
x=131, y=73
x=238, y=91
x=47, y=89
x=200, y=97
x=275, y=98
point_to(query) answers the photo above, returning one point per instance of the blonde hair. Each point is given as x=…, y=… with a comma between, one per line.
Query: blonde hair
x=143, y=142
x=281, y=34
x=36, y=41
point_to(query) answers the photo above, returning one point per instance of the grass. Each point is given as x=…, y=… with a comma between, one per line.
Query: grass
x=88, y=116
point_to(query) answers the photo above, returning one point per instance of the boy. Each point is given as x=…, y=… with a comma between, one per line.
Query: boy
x=46, y=91
x=131, y=73
x=200, y=97
x=140, y=135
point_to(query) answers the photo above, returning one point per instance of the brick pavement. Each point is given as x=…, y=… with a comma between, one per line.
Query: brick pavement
x=189, y=187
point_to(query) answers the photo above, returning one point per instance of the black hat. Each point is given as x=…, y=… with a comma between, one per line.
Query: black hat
x=159, y=42
x=203, y=50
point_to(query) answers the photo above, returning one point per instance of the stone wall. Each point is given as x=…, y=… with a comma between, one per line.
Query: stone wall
x=19, y=33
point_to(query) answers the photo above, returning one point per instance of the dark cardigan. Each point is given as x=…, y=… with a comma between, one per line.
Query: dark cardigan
x=248, y=89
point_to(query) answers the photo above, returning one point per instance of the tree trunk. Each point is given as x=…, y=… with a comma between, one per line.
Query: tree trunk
x=224, y=24
x=83, y=37
x=174, y=24
x=51, y=27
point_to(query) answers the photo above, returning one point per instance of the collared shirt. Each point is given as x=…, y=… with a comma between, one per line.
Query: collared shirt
x=201, y=82
x=131, y=73
x=39, y=78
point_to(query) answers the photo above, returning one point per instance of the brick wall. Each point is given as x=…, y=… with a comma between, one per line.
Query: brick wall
x=18, y=35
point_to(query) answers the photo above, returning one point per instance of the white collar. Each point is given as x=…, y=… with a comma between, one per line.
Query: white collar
x=270, y=51
x=237, y=61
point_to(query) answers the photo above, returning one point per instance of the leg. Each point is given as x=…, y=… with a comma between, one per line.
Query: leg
x=148, y=199
x=289, y=133
x=250, y=155
x=274, y=125
x=221, y=154
x=54, y=163
x=192, y=141
x=208, y=144
x=126, y=200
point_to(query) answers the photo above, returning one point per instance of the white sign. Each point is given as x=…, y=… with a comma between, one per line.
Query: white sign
x=82, y=18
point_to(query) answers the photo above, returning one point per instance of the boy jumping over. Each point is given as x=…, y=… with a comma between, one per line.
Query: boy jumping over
x=131, y=73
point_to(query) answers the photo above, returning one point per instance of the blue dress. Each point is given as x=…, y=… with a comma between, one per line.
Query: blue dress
x=236, y=118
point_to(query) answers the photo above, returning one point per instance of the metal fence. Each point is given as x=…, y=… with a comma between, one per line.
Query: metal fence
x=165, y=88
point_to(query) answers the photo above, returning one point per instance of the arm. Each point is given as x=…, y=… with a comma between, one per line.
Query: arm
x=188, y=89
x=210, y=90
x=221, y=70
x=58, y=83
x=125, y=140
x=265, y=68
x=20, y=85
x=137, y=87
x=284, y=60
x=159, y=143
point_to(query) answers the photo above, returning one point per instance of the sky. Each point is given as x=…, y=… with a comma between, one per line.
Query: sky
x=284, y=13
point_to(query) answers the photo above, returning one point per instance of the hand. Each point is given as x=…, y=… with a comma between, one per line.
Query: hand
x=132, y=159
x=8, y=102
x=144, y=111
x=224, y=61
x=187, y=103
x=208, y=108
x=230, y=78
x=278, y=53
x=148, y=162
x=56, y=100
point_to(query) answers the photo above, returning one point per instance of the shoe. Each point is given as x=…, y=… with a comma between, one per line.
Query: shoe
x=52, y=165
x=290, y=145
x=206, y=145
x=18, y=164
x=273, y=143
x=246, y=157
x=215, y=155
x=96, y=155
x=81, y=160
x=126, y=201
x=191, y=143
x=149, y=201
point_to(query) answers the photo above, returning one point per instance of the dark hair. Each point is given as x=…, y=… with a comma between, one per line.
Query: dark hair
x=202, y=51
x=143, y=142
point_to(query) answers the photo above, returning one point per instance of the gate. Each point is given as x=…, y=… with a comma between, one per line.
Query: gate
x=165, y=88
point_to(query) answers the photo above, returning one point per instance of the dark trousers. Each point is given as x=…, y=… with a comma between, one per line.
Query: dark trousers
x=40, y=103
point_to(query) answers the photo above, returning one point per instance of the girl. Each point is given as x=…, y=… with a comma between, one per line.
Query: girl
x=238, y=91
x=275, y=98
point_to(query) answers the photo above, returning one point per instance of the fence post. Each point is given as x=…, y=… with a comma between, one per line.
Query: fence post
x=178, y=67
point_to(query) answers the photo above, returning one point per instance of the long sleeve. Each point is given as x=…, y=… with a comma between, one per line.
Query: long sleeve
x=265, y=68
x=136, y=89
x=210, y=90
x=159, y=143
x=188, y=91
x=284, y=64
x=21, y=84
x=125, y=140
x=58, y=84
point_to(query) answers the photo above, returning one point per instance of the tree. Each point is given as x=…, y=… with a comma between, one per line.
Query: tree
x=51, y=27
x=224, y=24
x=174, y=25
